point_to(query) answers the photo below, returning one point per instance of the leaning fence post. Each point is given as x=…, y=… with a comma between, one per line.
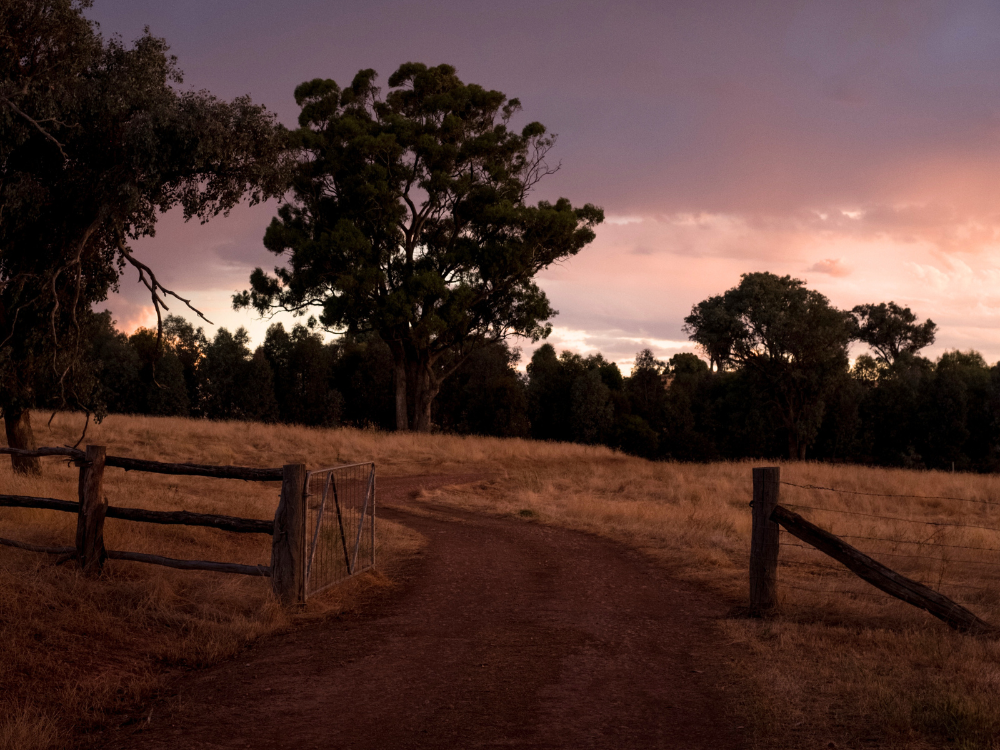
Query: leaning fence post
x=764, y=540
x=288, y=548
x=93, y=506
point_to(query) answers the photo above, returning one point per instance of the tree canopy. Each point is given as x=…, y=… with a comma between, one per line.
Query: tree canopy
x=788, y=335
x=95, y=141
x=891, y=331
x=410, y=220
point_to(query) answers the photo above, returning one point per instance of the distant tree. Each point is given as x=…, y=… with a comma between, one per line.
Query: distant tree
x=117, y=369
x=891, y=331
x=303, y=367
x=548, y=395
x=486, y=395
x=647, y=389
x=188, y=345
x=954, y=412
x=363, y=375
x=592, y=410
x=95, y=141
x=788, y=336
x=633, y=435
x=718, y=330
x=571, y=397
x=162, y=391
x=410, y=220
x=236, y=384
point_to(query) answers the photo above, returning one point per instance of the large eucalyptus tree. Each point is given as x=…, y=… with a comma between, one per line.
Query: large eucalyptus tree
x=410, y=219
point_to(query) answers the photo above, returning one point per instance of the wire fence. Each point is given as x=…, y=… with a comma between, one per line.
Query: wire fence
x=950, y=544
x=340, y=524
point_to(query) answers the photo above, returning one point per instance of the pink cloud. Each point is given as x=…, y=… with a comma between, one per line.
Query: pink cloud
x=830, y=266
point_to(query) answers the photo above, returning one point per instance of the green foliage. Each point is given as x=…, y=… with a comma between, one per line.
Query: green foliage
x=95, y=141
x=234, y=383
x=409, y=220
x=485, y=396
x=788, y=336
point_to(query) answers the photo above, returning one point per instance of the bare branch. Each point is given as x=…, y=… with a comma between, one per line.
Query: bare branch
x=37, y=126
x=148, y=278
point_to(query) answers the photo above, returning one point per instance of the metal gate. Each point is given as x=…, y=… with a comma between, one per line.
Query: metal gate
x=340, y=524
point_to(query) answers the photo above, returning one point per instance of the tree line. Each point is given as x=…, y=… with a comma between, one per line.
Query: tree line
x=776, y=381
x=404, y=229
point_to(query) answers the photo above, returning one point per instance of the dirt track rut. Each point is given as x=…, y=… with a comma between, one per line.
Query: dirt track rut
x=502, y=634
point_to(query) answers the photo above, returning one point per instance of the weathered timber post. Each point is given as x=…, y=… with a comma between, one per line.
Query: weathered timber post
x=90, y=552
x=288, y=549
x=764, y=541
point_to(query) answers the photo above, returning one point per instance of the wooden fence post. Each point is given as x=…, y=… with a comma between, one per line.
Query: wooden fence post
x=764, y=541
x=90, y=552
x=288, y=549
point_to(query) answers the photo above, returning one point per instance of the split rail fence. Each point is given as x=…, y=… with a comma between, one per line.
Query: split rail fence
x=302, y=541
x=973, y=573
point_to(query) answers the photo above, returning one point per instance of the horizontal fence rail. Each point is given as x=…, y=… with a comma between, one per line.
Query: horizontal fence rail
x=218, y=567
x=245, y=473
x=177, y=517
x=323, y=530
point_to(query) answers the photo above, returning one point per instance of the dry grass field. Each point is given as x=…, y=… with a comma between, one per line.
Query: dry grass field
x=841, y=665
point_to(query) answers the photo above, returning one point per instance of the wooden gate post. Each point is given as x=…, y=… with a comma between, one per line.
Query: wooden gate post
x=764, y=541
x=288, y=548
x=90, y=552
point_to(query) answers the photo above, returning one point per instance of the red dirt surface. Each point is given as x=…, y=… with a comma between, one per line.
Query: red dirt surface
x=502, y=633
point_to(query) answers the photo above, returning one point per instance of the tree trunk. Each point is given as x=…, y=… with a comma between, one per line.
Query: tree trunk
x=425, y=391
x=399, y=376
x=19, y=435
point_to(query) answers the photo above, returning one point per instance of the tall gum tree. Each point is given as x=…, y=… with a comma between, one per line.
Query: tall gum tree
x=410, y=220
x=96, y=141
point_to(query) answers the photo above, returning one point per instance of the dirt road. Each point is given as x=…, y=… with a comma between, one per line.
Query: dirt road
x=503, y=634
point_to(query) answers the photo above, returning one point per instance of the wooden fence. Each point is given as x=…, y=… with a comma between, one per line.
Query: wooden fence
x=288, y=529
x=769, y=517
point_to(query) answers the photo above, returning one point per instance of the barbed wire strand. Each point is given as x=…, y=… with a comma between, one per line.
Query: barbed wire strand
x=894, y=518
x=885, y=494
x=913, y=541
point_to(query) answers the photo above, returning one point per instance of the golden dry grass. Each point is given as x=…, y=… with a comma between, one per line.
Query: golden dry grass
x=841, y=663
x=75, y=652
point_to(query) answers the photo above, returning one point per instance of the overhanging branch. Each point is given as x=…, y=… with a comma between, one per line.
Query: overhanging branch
x=148, y=278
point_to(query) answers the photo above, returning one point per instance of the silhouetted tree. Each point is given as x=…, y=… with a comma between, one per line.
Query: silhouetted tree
x=303, y=369
x=235, y=384
x=891, y=331
x=788, y=336
x=647, y=389
x=410, y=220
x=363, y=375
x=486, y=395
x=95, y=142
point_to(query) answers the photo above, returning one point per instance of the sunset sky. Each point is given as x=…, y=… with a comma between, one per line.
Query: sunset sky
x=852, y=145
